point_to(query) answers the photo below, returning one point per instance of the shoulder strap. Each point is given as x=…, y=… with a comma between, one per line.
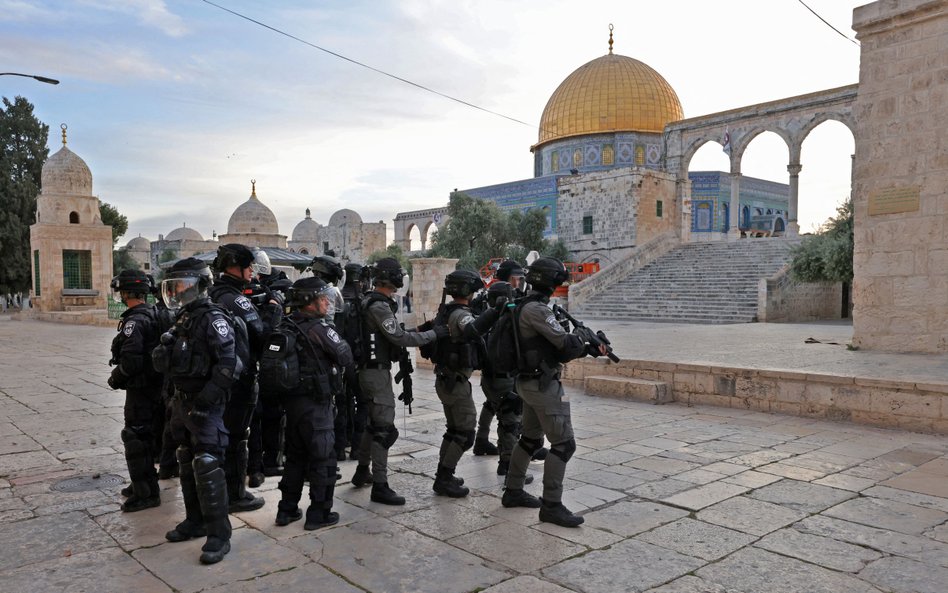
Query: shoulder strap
x=308, y=342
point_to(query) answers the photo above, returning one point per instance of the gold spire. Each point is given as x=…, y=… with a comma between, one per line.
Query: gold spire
x=63, y=126
x=253, y=188
x=610, y=38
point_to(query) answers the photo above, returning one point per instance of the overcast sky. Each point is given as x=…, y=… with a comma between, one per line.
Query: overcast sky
x=176, y=104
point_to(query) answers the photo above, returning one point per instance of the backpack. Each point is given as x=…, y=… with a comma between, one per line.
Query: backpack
x=503, y=348
x=446, y=352
x=285, y=370
x=349, y=325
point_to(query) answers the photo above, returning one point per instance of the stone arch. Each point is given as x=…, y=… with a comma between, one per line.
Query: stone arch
x=426, y=234
x=844, y=118
x=690, y=152
x=410, y=231
x=739, y=143
x=73, y=217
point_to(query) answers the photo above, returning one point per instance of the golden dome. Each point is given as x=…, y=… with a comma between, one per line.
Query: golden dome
x=609, y=94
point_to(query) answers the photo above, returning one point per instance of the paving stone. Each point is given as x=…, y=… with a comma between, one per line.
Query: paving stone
x=47, y=538
x=817, y=549
x=802, y=496
x=699, y=476
x=845, y=482
x=630, y=518
x=757, y=570
x=517, y=547
x=588, y=496
x=608, y=456
x=887, y=514
x=660, y=489
x=252, y=555
x=939, y=533
x=143, y=528
x=917, y=547
x=758, y=458
x=692, y=584
x=696, y=538
x=908, y=497
x=628, y=566
x=921, y=481
x=902, y=574
x=751, y=479
x=662, y=465
x=609, y=479
x=749, y=515
x=379, y=555
x=526, y=584
x=446, y=521
x=99, y=571
x=704, y=496
x=18, y=463
x=869, y=473
x=794, y=472
x=309, y=577
x=588, y=536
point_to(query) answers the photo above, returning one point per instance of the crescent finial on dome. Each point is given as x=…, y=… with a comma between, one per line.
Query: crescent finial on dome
x=253, y=188
x=63, y=128
x=610, y=38
x=307, y=213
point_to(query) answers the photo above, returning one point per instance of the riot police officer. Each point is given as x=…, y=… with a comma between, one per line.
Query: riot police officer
x=233, y=267
x=456, y=358
x=328, y=269
x=138, y=333
x=384, y=340
x=309, y=444
x=199, y=354
x=543, y=346
x=350, y=416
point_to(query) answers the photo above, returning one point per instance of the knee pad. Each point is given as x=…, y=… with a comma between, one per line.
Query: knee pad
x=511, y=403
x=205, y=463
x=529, y=445
x=183, y=455
x=510, y=427
x=136, y=433
x=466, y=439
x=385, y=436
x=564, y=450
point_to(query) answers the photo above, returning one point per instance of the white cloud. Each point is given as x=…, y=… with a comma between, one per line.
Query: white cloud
x=152, y=13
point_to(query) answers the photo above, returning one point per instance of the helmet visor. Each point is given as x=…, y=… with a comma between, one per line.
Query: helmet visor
x=261, y=263
x=178, y=292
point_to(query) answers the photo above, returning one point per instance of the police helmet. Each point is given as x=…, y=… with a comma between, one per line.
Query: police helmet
x=261, y=262
x=462, y=283
x=305, y=290
x=499, y=290
x=353, y=273
x=328, y=268
x=233, y=254
x=546, y=273
x=133, y=281
x=388, y=270
x=509, y=268
x=186, y=282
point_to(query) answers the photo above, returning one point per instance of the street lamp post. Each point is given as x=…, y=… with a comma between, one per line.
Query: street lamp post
x=33, y=76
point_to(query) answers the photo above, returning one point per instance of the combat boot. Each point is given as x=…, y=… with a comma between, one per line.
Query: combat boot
x=145, y=496
x=381, y=493
x=256, y=479
x=317, y=518
x=559, y=515
x=445, y=484
x=287, y=514
x=127, y=491
x=485, y=447
x=519, y=498
x=166, y=472
x=362, y=476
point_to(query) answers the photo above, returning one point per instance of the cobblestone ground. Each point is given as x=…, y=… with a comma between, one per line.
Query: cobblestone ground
x=676, y=499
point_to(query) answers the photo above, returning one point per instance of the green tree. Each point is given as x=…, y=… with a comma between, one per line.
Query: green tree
x=122, y=260
x=828, y=255
x=167, y=255
x=23, y=137
x=478, y=230
x=394, y=251
x=112, y=217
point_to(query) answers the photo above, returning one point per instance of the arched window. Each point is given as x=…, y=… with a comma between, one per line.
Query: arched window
x=73, y=218
x=303, y=251
x=608, y=155
x=639, y=156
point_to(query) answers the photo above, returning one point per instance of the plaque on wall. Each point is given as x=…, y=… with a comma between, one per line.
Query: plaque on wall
x=893, y=200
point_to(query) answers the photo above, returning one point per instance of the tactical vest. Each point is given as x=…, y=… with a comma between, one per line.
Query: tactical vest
x=376, y=350
x=191, y=358
x=148, y=318
x=455, y=354
x=536, y=352
x=292, y=365
x=242, y=346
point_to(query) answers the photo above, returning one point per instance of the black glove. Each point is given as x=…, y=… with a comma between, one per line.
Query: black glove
x=117, y=380
x=425, y=326
x=167, y=338
x=441, y=331
x=161, y=357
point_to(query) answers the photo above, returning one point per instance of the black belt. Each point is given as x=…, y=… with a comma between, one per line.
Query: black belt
x=509, y=375
x=375, y=364
x=530, y=375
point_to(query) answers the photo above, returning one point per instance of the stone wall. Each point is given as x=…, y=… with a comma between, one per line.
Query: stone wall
x=426, y=285
x=900, y=292
x=905, y=404
x=50, y=240
x=623, y=206
x=780, y=298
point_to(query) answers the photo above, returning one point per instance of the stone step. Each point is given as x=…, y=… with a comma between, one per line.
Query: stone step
x=657, y=392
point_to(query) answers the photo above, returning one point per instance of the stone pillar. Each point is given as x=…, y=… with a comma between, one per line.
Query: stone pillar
x=734, y=211
x=793, y=227
x=426, y=284
x=684, y=201
x=900, y=195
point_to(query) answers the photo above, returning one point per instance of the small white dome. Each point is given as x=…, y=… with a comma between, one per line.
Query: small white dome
x=253, y=217
x=139, y=244
x=344, y=216
x=183, y=233
x=307, y=230
x=65, y=173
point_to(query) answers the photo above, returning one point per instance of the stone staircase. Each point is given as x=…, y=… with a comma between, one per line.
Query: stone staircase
x=694, y=283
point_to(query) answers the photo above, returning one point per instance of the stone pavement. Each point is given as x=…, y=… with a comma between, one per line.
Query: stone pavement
x=676, y=499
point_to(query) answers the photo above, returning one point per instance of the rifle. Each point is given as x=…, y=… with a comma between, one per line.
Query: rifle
x=403, y=376
x=595, y=339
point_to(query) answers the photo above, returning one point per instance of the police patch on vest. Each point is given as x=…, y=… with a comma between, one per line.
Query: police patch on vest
x=390, y=325
x=129, y=328
x=332, y=335
x=552, y=322
x=244, y=303
x=222, y=327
